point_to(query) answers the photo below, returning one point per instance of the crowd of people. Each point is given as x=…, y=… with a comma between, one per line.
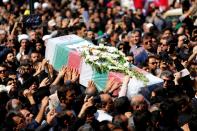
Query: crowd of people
x=34, y=96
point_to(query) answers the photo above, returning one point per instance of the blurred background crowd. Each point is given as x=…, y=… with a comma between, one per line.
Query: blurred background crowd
x=159, y=36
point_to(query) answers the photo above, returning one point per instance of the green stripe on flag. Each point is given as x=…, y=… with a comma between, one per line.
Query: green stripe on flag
x=61, y=57
x=100, y=79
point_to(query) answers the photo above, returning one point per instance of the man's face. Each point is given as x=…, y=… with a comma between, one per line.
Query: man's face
x=147, y=43
x=163, y=65
x=167, y=82
x=135, y=38
x=83, y=31
x=139, y=103
x=34, y=57
x=24, y=44
x=2, y=36
x=32, y=35
x=13, y=76
x=10, y=57
x=181, y=40
x=70, y=96
x=90, y=34
x=25, y=71
x=33, y=87
x=2, y=72
x=20, y=122
x=10, y=42
x=164, y=46
x=38, y=46
x=167, y=34
x=28, y=116
x=130, y=59
x=152, y=64
x=109, y=102
x=13, y=85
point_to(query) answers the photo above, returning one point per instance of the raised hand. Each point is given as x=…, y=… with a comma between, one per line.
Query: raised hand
x=50, y=116
x=44, y=82
x=75, y=75
x=50, y=70
x=38, y=69
x=115, y=86
x=87, y=104
x=109, y=85
x=44, y=62
x=91, y=85
x=62, y=71
x=69, y=73
x=45, y=101
x=27, y=93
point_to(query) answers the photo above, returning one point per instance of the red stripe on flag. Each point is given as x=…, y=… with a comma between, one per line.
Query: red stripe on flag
x=74, y=60
x=117, y=76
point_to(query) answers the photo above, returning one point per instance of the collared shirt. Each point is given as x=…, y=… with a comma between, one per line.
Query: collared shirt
x=139, y=53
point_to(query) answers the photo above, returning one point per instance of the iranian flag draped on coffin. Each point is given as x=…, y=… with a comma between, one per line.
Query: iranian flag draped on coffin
x=67, y=50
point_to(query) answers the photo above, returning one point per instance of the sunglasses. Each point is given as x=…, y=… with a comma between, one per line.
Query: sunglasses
x=148, y=42
x=154, y=63
x=164, y=45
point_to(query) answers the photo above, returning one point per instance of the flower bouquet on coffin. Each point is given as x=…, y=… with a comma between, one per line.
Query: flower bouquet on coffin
x=104, y=58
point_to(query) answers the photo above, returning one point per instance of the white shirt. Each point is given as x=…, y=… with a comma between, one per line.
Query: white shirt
x=101, y=115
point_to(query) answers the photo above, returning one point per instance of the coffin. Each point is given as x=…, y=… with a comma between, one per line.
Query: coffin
x=64, y=50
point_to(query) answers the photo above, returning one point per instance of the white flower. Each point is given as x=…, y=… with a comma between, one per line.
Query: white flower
x=111, y=49
x=92, y=58
x=103, y=55
x=96, y=52
x=98, y=63
x=101, y=45
x=115, y=56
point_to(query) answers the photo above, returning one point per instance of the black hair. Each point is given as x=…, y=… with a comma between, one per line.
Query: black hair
x=90, y=110
x=169, y=112
x=124, y=35
x=4, y=99
x=141, y=120
x=7, y=80
x=122, y=104
x=104, y=126
x=9, y=122
x=137, y=30
x=167, y=28
x=6, y=53
x=168, y=74
x=119, y=122
x=146, y=36
x=62, y=90
x=3, y=65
